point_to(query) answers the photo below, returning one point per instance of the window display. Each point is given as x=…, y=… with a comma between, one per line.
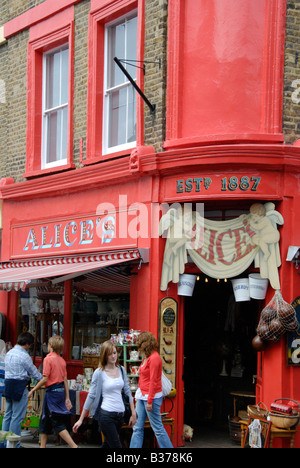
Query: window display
x=95, y=318
x=35, y=301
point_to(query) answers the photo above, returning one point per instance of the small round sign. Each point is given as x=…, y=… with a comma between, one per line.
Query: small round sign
x=169, y=316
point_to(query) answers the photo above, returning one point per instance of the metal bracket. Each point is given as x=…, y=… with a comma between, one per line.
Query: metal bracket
x=151, y=106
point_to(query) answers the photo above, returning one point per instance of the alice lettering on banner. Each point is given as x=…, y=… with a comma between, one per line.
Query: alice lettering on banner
x=222, y=249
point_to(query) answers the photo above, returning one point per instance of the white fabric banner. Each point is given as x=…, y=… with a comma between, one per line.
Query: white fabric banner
x=222, y=249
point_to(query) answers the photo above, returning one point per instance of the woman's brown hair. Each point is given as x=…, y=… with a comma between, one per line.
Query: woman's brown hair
x=146, y=343
x=106, y=349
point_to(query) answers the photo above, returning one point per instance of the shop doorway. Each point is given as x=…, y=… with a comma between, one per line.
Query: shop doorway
x=218, y=355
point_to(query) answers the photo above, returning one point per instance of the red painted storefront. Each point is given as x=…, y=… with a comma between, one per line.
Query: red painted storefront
x=223, y=121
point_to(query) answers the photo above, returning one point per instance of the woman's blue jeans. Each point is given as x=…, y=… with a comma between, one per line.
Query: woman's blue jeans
x=155, y=420
x=15, y=413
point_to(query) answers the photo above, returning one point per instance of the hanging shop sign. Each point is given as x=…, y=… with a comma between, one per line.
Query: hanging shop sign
x=65, y=236
x=221, y=249
x=293, y=339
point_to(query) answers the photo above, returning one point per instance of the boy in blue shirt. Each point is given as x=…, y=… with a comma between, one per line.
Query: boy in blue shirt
x=19, y=369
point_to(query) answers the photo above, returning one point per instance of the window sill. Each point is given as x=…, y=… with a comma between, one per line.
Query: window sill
x=106, y=157
x=50, y=170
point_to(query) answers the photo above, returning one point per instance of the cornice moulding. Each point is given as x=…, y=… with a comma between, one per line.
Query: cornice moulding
x=284, y=158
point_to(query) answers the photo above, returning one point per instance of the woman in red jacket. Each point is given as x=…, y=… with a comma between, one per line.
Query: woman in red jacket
x=149, y=395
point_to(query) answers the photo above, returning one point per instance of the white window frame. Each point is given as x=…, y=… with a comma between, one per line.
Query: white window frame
x=47, y=112
x=108, y=91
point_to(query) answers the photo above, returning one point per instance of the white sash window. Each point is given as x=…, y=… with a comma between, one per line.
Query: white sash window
x=119, y=119
x=55, y=107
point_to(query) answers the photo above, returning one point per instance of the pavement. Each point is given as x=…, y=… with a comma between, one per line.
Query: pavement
x=204, y=438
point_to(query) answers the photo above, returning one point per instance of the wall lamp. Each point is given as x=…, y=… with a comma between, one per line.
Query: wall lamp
x=293, y=255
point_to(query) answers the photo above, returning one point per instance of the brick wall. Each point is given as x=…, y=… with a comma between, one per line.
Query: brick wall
x=13, y=8
x=13, y=108
x=156, y=16
x=13, y=92
x=80, y=82
x=13, y=57
x=291, y=93
x=3, y=105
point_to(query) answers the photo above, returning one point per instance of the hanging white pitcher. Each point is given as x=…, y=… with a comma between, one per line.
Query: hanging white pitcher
x=186, y=284
x=258, y=286
x=241, y=289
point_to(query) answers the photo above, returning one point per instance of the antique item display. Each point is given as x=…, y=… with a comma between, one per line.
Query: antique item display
x=277, y=318
x=168, y=337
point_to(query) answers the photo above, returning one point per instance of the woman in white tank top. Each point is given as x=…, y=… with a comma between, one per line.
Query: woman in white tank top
x=106, y=396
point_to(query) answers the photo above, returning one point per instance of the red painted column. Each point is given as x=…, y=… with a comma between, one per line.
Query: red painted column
x=67, y=352
x=4, y=305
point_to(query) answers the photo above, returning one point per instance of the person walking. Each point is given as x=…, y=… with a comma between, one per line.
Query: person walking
x=105, y=394
x=19, y=369
x=2, y=369
x=149, y=395
x=57, y=404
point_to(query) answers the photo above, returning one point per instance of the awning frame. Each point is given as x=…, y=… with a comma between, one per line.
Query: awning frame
x=18, y=274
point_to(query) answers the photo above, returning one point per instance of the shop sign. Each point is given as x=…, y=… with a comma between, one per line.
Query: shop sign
x=223, y=184
x=293, y=339
x=69, y=235
x=221, y=249
x=232, y=183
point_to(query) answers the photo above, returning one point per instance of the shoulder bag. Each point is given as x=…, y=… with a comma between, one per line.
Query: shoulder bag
x=166, y=385
x=125, y=398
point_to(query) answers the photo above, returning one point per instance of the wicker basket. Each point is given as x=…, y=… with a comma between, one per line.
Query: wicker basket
x=282, y=420
x=254, y=411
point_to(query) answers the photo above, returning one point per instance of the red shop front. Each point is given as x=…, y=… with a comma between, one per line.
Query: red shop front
x=219, y=368
x=72, y=253
x=89, y=242
x=98, y=263
x=78, y=236
x=99, y=257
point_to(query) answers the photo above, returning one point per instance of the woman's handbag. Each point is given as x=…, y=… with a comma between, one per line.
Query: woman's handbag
x=125, y=398
x=166, y=385
x=127, y=414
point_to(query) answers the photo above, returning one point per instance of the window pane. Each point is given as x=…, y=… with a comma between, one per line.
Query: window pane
x=123, y=116
x=117, y=112
x=119, y=52
x=94, y=320
x=131, y=130
x=64, y=138
x=52, y=80
x=53, y=136
x=64, y=76
x=55, y=129
x=122, y=43
x=34, y=301
x=131, y=43
x=116, y=41
x=57, y=135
